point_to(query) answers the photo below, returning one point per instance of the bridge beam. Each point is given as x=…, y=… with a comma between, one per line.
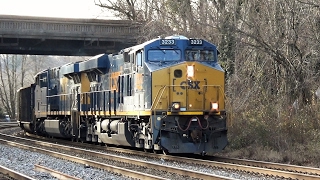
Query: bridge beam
x=61, y=36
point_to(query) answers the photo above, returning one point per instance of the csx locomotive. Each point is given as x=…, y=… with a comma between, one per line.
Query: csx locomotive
x=166, y=94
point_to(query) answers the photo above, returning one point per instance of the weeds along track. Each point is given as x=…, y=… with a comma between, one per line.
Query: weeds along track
x=118, y=164
x=265, y=169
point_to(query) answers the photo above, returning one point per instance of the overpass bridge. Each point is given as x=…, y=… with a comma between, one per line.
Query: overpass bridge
x=65, y=36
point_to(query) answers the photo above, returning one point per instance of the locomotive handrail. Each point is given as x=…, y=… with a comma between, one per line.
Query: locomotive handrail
x=85, y=99
x=163, y=88
x=97, y=91
x=59, y=95
x=82, y=97
x=79, y=93
x=158, y=98
x=216, y=86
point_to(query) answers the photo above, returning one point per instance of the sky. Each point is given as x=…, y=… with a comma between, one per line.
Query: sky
x=54, y=8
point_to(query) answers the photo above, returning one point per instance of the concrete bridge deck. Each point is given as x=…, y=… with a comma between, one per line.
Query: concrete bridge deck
x=65, y=36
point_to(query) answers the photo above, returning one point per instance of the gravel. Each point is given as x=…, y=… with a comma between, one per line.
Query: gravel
x=194, y=167
x=24, y=163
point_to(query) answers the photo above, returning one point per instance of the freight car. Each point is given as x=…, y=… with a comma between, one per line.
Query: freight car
x=166, y=94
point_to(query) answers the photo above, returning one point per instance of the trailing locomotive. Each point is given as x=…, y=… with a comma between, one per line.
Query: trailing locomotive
x=165, y=94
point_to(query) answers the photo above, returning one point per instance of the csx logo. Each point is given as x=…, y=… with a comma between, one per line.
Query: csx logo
x=190, y=84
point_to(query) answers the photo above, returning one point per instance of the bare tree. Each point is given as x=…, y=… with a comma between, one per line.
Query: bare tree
x=9, y=85
x=281, y=30
x=123, y=8
x=23, y=70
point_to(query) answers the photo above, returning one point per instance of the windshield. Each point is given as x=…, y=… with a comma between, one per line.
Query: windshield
x=164, y=55
x=199, y=55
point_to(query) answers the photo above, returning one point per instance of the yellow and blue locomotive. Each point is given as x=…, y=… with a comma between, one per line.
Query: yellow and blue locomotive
x=165, y=94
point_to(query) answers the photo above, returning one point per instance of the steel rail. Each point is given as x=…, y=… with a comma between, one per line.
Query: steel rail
x=123, y=171
x=156, y=166
x=54, y=173
x=277, y=166
x=299, y=174
x=281, y=170
x=14, y=174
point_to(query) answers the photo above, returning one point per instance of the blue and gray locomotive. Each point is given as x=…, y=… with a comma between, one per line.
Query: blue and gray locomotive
x=166, y=94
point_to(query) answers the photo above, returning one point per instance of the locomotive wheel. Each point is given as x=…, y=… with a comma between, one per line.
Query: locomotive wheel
x=147, y=150
x=165, y=152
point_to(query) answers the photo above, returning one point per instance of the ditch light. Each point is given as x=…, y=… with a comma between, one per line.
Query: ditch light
x=175, y=106
x=214, y=106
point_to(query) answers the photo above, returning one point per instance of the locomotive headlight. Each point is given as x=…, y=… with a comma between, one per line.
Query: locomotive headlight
x=175, y=106
x=214, y=106
x=190, y=71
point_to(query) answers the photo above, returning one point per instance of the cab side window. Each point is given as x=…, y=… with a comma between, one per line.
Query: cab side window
x=139, y=58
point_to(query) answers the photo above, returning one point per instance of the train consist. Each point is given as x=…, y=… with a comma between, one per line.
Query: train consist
x=166, y=94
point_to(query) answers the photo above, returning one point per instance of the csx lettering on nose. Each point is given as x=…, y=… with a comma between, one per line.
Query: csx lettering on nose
x=190, y=84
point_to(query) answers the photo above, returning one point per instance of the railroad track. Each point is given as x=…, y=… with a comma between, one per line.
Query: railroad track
x=128, y=167
x=275, y=166
x=7, y=173
x=249, y=166
x=54, y=173
x=8, y=124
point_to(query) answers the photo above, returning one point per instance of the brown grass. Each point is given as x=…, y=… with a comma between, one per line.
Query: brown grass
x=285, y=137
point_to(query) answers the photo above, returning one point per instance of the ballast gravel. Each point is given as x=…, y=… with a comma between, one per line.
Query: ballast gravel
x=24, y=160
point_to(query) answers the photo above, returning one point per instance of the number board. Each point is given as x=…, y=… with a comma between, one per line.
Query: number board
x=167, y=42
x=196, y=42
